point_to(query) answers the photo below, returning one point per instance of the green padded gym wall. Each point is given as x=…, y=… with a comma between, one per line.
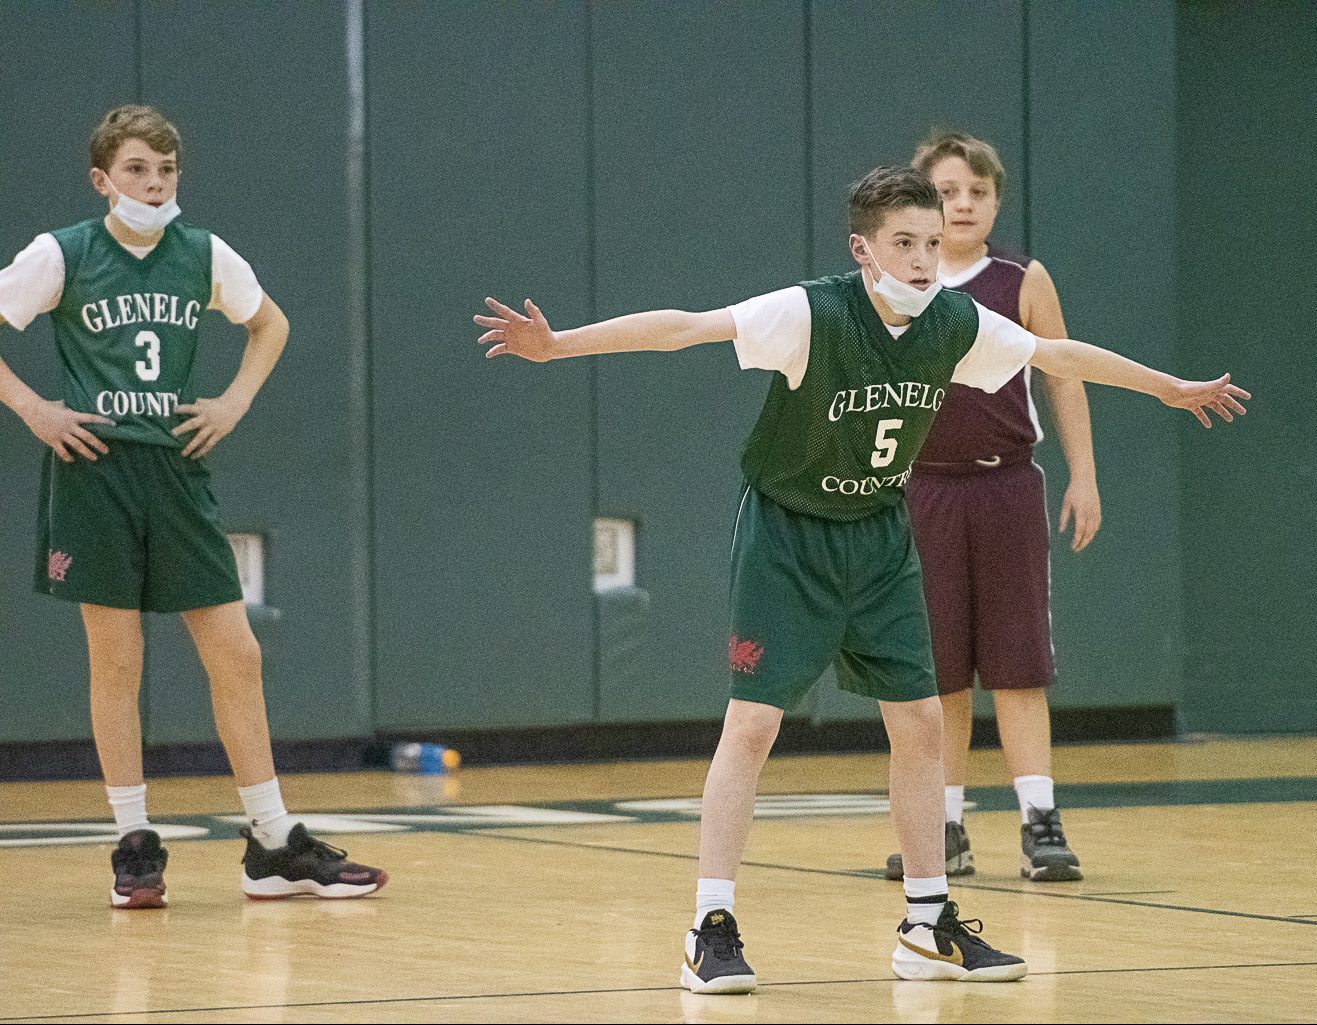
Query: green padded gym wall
x=1247, y=203
x=429, y=513
x=43, y=179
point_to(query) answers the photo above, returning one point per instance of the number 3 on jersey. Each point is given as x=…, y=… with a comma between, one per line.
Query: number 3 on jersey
x=884, y=448
x=149, y=369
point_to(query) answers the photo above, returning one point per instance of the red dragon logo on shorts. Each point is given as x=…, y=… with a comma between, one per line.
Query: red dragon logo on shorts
x=58, y=565
x=743, y=655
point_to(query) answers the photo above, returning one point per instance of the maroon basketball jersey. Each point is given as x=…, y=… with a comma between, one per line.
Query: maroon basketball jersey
x=973, y=424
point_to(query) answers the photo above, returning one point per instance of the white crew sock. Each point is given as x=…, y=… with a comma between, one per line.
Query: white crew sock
x=925, y=899
x=955, y=798
x=1034, y=792
x=129, y=807
x=712, y=894
x=264, y=805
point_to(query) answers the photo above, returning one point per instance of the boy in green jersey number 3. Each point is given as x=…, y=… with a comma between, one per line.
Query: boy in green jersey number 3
x=823, y=566
x=127, y=522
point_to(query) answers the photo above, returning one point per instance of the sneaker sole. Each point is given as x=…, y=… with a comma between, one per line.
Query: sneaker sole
x=921, y=969
x=722, y=984
x=139, y=899
x=278, y=888
x=1056, y=872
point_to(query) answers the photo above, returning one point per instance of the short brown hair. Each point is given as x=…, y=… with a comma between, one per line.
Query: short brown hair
x=885, y=189
x=132, y=121
x=981, y=156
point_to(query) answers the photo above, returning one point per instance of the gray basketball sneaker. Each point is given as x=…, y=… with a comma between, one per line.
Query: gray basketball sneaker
x=960, y=859
x=1046, y=857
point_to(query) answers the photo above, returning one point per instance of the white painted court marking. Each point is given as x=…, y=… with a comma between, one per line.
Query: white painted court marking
x=59, y=834
x=66, y=833
x=329, y=823
x=466, y=815
x=502, y=814
x=776, y=805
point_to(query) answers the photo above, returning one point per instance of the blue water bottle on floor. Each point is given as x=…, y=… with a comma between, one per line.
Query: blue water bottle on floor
x=425, y=759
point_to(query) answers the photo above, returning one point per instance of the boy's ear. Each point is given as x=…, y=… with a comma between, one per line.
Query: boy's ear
x=100, y=181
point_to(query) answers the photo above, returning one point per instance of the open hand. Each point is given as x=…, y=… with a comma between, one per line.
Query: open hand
x=1198, y=397
x=212, y=419
x=529, y=337
x=1082, y=504
x=62, y=429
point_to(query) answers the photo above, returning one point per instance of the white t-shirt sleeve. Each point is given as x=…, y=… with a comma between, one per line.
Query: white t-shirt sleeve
x=33, y=283
x=772, y=333
x=1001, y=350
x=234, y=290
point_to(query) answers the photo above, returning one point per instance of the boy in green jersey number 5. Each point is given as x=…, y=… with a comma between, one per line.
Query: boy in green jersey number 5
x=823, y=566
x=127, y=522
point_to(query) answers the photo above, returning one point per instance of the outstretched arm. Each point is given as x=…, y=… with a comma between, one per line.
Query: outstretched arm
x=1068, y=358
x=214, y=419
x=530, y=336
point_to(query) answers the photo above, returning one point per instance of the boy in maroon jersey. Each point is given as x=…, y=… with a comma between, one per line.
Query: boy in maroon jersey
x=980, y=520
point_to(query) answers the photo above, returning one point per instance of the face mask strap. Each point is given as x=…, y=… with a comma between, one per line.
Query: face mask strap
x=873, y=261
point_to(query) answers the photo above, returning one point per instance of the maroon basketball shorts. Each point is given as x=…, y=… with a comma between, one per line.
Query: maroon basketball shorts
x=982, y=537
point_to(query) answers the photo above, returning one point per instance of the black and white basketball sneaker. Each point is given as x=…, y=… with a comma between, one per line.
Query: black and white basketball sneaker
x=1046, y=857
x=951, y=949
x=960, y=859
x=714, y=962
x=305, y=865
x=139, y=871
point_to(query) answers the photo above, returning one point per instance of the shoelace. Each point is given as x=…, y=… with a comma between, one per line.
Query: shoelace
x=326, y=852
x=1047, y=831
x=723, y=939
x=966, y=931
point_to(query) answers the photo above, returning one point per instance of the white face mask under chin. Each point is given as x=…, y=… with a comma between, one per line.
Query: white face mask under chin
x=904, y=299
x=144, y=218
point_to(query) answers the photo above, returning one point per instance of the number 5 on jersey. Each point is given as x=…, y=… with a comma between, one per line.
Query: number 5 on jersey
x=884, y=448
x=149, y=369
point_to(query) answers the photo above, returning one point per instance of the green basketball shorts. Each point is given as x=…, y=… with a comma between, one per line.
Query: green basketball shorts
x=808, y=592
x=137, y=529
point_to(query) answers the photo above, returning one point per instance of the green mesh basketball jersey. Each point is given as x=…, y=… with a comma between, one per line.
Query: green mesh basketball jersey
x=126, y=328
x=840, y=446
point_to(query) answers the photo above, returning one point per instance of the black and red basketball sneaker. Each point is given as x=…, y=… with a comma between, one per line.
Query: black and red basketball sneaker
x=305, y=865
x=139, y=871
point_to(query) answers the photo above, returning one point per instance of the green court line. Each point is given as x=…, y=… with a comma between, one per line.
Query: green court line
x=454, y=997
x=1076, y=796
x=1146, y=893
x=1276, y=790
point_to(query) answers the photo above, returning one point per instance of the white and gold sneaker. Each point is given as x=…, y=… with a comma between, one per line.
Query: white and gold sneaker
x=951, y=950
x=714, y=962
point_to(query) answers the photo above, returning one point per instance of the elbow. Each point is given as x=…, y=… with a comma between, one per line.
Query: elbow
x=279, y=330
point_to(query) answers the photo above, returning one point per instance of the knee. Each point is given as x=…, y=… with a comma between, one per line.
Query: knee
x=911, y=723
x=750, y=731
x=240, y=660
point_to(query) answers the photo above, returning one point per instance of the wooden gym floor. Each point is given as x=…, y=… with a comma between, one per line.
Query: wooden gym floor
x=561, y=893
